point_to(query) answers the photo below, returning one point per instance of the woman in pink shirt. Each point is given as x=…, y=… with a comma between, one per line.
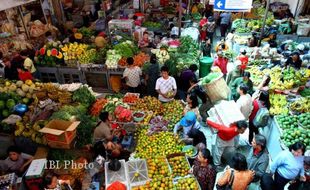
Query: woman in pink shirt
x=221, y=62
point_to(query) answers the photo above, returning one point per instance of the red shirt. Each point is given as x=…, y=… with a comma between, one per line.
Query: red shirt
x=225, y=133
x=24, y=75
x=255, y=109
x=244, y=61
x=221, y=62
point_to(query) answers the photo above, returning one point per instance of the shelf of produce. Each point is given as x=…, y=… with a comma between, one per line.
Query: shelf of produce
x=71, y=75
x=49, y=74
x=118, y=71
x=137, y=172
x=120, y=175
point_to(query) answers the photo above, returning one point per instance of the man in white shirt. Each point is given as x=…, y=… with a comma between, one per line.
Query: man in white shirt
x=245, y=101
x=165, y=86
x=132, y=76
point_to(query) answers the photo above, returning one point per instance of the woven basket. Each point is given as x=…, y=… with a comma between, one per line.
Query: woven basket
x=217, y=89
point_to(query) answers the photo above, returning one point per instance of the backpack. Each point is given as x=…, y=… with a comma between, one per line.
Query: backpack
x=262, y=117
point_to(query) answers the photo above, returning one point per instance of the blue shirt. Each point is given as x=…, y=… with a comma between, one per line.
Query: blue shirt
x=287, y=165
x=185, y=129
x=225, y=18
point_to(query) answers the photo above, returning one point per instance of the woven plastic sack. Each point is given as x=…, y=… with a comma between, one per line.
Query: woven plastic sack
x=217, y=89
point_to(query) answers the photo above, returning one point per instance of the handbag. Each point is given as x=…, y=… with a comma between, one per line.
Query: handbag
x=229, y=185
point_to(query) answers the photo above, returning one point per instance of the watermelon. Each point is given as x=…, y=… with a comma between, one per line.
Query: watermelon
x=10, y=103
x=2, y=104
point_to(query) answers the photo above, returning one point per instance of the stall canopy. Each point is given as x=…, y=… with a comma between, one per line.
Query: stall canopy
x=5, y=4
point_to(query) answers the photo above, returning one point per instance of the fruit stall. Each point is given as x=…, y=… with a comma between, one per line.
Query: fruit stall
x=289, y=99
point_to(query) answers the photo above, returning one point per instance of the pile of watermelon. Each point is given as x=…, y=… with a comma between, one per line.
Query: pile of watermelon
x=123, y=114
x=7, y=103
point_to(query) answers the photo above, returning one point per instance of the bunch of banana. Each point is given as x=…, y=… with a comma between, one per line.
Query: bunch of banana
x=302, y=105
x=278, y=104
x=19, y=128
x=64, y=97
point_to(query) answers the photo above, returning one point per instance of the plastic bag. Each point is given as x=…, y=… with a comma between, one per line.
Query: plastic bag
x=262, y=117
x=116, y=83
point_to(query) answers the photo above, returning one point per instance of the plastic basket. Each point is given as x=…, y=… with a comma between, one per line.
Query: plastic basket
x=112, y=176
x=137, y=172
x=217, y=89
x=169, y=157
x=175, y=181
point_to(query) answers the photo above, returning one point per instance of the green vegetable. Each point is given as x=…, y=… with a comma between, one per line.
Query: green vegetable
x=243, y=30
x=86, y=32
x=229, y=54
x=84, y=96
x=258, y=62
x=126, y=49
x=305, y=92
x=210, y=77
x=239, y=23
x=149, y=24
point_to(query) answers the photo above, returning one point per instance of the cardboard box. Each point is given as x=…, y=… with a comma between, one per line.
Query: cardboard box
x=61, y=145
x=60, y=131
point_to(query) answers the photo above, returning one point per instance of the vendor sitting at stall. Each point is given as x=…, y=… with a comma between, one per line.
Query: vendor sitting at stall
x=145, y=41
x=237, y=82
x=192, y=105
x=294, y=61
x=137, y=21
x=51, y=182
x=16, y=161
x=187, y=123
x=103, y=131
x=24, y=74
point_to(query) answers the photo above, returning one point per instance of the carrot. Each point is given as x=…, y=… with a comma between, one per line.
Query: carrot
x=140, y=59
x=98, y=106
x=122, y=62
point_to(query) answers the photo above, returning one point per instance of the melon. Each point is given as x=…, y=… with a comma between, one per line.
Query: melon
x=5, y=113
x=100, y=41
x=19, y=83
x=2, y=104
x=25, y=88
x=10, y=103
x=20, y=92
x=12, y=88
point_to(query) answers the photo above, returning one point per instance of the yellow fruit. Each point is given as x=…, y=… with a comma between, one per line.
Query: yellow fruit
x=78, y=36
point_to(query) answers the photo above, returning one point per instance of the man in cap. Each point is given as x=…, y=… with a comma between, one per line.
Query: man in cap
x=187, y=123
